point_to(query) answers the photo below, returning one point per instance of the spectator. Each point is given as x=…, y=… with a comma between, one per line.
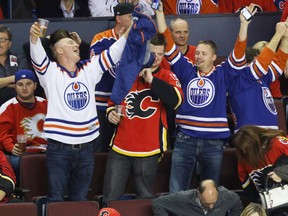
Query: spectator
x=252, y=86
x=234, y=6
x=254, y=209
x=201, y=119
x=141, y=134
x=69, y=85
x=7, y=179
x=258, y=150
x=174, y=7
x=101, y=42
x=23, y=114
x=9, y=63
x=61, y=8
x=180, y=33
x=84, y=48
x=207, y=199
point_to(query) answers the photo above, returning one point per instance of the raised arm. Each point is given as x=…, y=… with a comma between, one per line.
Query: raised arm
x=35, y=32
x=243, y=31
x=161, y=22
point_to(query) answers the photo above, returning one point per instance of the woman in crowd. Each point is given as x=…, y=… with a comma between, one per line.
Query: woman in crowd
x=261, y=153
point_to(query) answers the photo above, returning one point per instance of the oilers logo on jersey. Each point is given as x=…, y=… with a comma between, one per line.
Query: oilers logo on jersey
x=188, y=6
x=140, y=104
x=268, y=100
x=76, y=96
x=200, y=92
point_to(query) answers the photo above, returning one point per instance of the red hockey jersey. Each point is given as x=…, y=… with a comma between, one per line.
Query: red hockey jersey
x=16, y=118
x=143, y=130
x=247, y=174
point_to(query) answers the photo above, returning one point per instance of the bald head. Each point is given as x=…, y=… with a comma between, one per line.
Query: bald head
x=180, y=32
x=208, y=193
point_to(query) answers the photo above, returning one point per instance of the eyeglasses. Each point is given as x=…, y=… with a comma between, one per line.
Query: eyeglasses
x=3, y=40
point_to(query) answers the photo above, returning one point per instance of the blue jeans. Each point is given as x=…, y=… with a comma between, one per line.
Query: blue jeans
x=187, y=152
x=15, y=163
x=70, y=169
x=117, y=171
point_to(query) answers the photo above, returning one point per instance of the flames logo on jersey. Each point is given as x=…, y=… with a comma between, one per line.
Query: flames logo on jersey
x=76, y=96
x=33, y=126
x=268, y=100
x=259, y=176
x=200, y=92
x=188, y=6
x=135, y=104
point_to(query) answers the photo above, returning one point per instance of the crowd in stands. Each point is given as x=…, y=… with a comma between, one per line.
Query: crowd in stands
x=173, y=95
x=104, y=8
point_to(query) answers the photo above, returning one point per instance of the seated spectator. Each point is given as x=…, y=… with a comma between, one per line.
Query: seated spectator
x=258, y=151
x=207, y=199
x=7, y=179
x=61, y=8
x=174, y=7
x=23, y=114
x=234, y=6
x=9, y=63
x=254, y=209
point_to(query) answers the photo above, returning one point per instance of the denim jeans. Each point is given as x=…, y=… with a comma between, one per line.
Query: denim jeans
x=117, y=172
x=187, y=152
x=15, y=163
x=69, y=169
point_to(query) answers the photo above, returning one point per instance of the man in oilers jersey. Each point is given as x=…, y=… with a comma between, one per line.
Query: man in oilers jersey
x=252, y=84
x=71, y=122
x=201, y=119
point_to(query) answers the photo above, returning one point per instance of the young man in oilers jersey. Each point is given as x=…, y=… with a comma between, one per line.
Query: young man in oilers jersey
x=101, y=42
x=201, y=119
x=71, y=122
x=252, y=85
x=141, y=134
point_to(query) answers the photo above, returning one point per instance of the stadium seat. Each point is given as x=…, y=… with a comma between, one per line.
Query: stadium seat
x=139, y=207
x=75, y=208
x=18, y=209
